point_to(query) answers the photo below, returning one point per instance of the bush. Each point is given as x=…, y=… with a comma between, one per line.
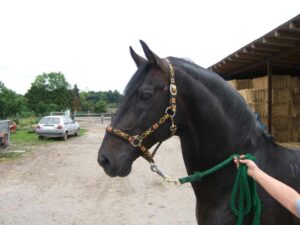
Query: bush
x=100, y=107
x=25, y=121
x=27, y=114
x=28, y=121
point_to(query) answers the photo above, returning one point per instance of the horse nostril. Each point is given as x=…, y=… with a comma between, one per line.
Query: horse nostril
x=103, y=160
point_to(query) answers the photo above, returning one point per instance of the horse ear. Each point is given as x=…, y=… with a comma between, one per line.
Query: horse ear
x=139, y=60
x=153, y=59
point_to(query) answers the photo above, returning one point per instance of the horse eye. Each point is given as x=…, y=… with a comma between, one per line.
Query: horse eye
x=146, y=95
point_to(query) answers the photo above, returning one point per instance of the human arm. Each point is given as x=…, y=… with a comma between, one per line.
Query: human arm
x=281, y=192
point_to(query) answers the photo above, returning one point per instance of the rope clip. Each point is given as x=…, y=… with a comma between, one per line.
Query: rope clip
x=167, y=179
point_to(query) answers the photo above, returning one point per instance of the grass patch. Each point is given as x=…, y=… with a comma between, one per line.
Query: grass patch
x=4, y=156
x=82, y=131
x=28, y=121
x=23, y=137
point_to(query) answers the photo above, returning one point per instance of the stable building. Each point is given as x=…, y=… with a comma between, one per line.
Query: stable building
x=266, y=72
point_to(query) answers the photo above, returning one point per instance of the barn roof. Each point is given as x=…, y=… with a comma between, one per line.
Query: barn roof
x=280, y=47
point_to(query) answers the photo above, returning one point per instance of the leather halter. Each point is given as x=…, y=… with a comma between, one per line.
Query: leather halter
x=137, y=140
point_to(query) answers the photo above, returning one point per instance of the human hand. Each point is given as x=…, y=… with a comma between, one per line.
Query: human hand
x=252, y=167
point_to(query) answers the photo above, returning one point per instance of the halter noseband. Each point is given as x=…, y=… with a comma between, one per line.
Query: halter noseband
x=137, y=140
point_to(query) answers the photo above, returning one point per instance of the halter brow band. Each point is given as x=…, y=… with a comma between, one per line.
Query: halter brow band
x=137, y=140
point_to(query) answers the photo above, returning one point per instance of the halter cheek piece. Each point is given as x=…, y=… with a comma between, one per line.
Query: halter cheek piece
x=137, y=140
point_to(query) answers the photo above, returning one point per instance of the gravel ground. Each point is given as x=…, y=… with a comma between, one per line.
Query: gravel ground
x=61, y=183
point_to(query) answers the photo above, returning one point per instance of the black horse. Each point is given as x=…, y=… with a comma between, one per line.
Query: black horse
x=213, y=122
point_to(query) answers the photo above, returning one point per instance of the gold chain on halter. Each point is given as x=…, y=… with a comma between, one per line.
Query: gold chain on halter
x=137, y=140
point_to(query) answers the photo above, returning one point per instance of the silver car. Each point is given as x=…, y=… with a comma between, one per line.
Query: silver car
x=57, y=126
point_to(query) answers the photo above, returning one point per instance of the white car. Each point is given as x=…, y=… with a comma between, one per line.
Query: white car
x=57, y=126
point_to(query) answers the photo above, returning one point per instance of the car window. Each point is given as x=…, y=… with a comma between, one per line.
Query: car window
x=50, y=121
x=66, y=121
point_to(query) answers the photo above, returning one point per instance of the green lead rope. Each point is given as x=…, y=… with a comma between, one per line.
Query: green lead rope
x=244, y=197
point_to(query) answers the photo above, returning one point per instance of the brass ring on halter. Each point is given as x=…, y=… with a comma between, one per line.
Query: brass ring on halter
x=170, y=111
x=136, y=141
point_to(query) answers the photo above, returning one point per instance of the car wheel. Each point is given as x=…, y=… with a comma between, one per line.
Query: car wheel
x=65, y=137
x=41, y=137
x=77, y=132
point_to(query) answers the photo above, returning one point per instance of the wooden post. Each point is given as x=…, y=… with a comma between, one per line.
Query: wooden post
x=18, y=118
x=102, y=118
x=269, y=69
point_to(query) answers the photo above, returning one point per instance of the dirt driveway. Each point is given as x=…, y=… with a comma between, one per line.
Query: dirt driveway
x=61, y=183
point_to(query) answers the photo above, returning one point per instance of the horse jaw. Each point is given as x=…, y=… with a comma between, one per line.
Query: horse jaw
x=115, y=158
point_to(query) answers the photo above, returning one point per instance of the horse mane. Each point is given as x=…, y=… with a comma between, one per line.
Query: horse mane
x=235, y=104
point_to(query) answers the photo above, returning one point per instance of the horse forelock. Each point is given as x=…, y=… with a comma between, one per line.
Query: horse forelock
x=134, y=83
x=136, y=80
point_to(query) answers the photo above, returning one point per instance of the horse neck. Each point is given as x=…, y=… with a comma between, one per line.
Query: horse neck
x=214, y=122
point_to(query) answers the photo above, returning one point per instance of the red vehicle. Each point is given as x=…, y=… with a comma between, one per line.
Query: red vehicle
x=4, y=132
x=13, y=127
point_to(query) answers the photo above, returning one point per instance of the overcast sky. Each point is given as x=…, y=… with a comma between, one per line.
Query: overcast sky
x=88, y=41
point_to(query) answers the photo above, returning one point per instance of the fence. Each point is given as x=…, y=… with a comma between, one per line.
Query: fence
x=62, y=113
x=98, y=117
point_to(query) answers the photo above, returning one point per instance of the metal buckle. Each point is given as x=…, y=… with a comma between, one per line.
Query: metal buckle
x=136, y=141
x=173, y=129
x=155, y=169
x=166, y=178
x=170, y=111
x=173, y=89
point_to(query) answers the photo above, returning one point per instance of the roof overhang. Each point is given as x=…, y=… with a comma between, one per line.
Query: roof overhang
x=280, y=48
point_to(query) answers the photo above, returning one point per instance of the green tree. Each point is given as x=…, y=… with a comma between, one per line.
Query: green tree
x=90, y=99
x=10, y=102
x=76, y=102
x=86, y=105
x=49, y=92
x=100, y=107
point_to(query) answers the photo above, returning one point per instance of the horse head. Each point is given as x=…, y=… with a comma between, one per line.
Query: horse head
x=145, y=116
